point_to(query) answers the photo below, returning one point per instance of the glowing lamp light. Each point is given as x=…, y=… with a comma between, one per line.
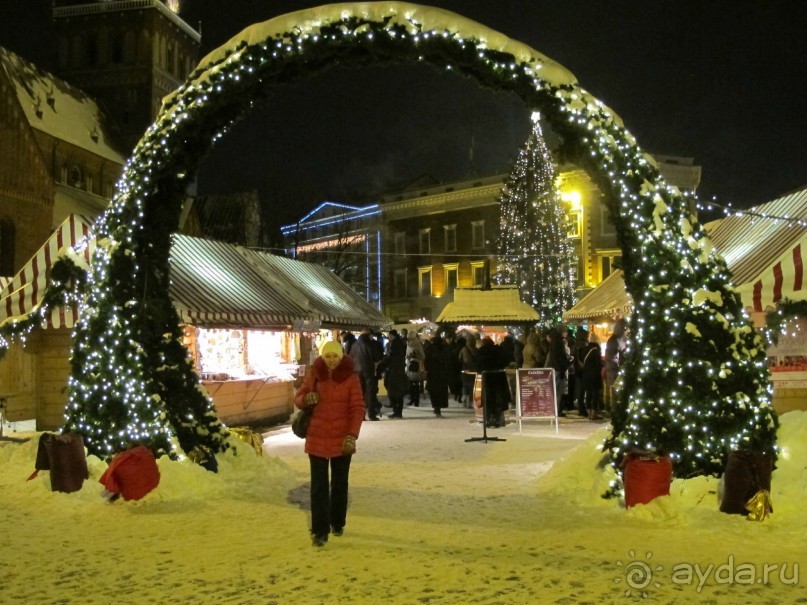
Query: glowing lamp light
x=572, y=198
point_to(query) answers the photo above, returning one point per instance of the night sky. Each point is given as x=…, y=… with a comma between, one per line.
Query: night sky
x=721, y=81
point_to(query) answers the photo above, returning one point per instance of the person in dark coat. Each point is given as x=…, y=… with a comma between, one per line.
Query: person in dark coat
x=495, y=390
x=438, y=373
x=395, y=380
x=365, y=358
x=590, y=374
x=507, y=349
x=414, y=367
x=558, y=360
x=469, y=360
x=457, y=345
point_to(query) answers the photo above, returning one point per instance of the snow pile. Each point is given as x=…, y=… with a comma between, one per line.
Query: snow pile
x=789, y=482
x=584, y=474
x=181, y=479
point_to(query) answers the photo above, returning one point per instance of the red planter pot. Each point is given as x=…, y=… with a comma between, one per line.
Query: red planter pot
x=646, y=478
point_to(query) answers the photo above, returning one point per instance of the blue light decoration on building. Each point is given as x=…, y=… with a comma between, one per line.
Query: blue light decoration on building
x=340, y=237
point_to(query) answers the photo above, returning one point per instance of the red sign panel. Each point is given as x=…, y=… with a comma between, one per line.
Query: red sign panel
x=535, y=391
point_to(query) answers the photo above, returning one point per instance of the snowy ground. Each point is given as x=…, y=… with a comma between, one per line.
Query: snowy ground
x=433, y=519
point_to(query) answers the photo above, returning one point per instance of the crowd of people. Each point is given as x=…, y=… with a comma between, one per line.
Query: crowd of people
x=447, y=364
x=340, y=391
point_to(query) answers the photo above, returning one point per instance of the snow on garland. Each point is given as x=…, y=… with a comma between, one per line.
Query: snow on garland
x=675, y=399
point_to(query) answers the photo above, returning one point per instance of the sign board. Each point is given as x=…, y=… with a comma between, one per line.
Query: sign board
x=535, y=394
x=787, y=361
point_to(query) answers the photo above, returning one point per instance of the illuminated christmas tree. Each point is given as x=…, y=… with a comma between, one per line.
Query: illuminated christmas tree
x=534, y=249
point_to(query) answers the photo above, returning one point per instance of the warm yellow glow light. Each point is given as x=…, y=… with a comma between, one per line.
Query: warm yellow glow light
x=572, y=198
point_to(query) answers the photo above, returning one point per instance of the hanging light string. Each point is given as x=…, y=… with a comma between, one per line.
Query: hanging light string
x=728, y=210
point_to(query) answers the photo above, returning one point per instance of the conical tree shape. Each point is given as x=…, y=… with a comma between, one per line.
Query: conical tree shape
x=534, y=249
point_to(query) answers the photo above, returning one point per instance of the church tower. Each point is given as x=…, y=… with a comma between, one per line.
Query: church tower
x=127, y=54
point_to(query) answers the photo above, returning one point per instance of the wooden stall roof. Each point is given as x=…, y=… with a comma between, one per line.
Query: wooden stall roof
x=500, y=305
x=765, y=254
x=606, y=301
x=212, y=284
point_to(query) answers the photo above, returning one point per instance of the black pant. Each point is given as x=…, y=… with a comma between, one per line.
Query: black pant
x=468, y=381
x=328, y=502
x=414, y=392
x=369, y=388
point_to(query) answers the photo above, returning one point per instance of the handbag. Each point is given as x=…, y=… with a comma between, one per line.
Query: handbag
x=299, y=424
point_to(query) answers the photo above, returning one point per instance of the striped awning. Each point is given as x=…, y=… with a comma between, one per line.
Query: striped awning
x=22, y=294
x=766, y=258
x=501, y=305
x=212, y=284
x=337, y=304
x=608, y=301
x=219, y=284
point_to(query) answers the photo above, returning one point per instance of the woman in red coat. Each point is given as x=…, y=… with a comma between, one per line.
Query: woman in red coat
x=334, y=388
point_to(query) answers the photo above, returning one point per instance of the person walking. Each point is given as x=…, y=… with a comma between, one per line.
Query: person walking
x=332, y=388
x=395, y=380
x=438, y=373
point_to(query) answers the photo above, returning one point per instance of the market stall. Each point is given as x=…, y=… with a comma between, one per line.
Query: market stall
x=764, y=250
x=486, y=312
x=250, y=320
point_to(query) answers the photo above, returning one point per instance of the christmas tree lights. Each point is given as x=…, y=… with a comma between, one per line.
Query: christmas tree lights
x=695, y=385
x=534, y=249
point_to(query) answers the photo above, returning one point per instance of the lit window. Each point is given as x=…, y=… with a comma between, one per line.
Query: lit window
x=575, y=223
x=478, y=272
x=451, y=272
x=425, y=281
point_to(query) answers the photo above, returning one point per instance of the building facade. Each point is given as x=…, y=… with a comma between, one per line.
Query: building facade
x=64, y=137
x=346, y=239
x=434, y=239
x=126, y=54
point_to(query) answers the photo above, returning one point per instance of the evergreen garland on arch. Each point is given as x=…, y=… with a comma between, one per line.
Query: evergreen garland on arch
x=695, y=385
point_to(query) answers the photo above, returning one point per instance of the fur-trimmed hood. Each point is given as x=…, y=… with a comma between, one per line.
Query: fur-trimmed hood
x=343, y=371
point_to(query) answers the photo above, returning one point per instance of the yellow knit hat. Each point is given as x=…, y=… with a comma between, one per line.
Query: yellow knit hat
x=331, y=347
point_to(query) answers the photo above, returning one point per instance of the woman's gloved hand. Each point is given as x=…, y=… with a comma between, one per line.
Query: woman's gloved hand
x=349, y=445
x=311, y=398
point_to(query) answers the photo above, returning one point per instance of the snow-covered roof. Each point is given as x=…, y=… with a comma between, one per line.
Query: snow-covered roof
x=499, y=305
x=608, y=299
x=53, y=106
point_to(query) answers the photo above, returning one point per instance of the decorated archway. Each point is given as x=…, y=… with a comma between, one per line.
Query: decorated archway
x=696, y=385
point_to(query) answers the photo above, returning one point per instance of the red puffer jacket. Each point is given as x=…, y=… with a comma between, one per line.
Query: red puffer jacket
x=340, y=410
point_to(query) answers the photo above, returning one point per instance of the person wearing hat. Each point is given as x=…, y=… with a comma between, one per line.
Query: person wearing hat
x=333, y=387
